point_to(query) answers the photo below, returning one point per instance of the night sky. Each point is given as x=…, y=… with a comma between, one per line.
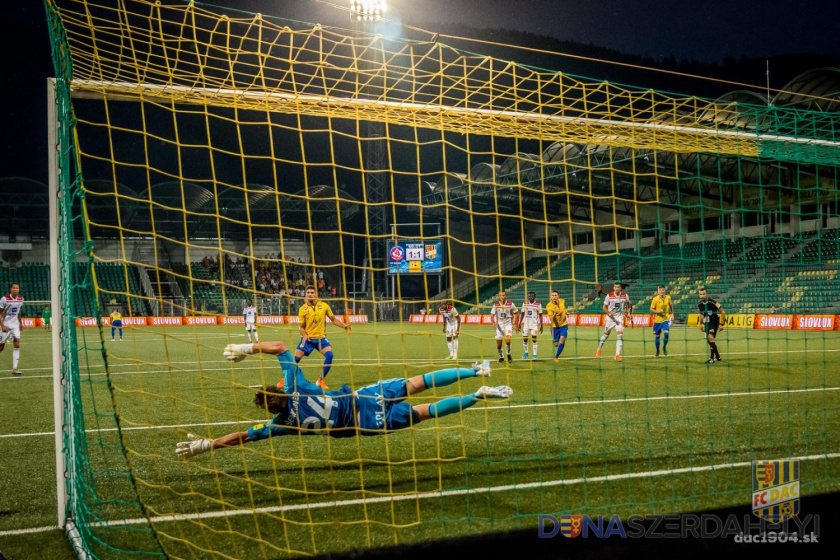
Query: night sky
x=706, y=31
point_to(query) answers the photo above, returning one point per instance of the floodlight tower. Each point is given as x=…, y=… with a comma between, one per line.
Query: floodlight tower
x=366, y=14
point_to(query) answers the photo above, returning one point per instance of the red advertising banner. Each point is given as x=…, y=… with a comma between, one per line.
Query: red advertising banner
x=29, y=322
x=588, y=320
x=471, y=320
x=778, y=322
x=642, y=320
x=356, y=319
x=272, y=320
x=416, y=318
x=165, y=321
x=199, y=321
x=135, y=321
x=815, y=322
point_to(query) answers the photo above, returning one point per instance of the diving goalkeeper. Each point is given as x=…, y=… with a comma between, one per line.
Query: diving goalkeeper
x=307, y=409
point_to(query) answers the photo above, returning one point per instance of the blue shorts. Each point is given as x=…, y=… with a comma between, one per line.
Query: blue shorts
x=663, y=326
x=312, y=344
x=382, y=407
x=117, y=323
x=557, y=332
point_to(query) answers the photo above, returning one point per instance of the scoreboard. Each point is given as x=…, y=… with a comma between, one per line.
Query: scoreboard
x=415, y=257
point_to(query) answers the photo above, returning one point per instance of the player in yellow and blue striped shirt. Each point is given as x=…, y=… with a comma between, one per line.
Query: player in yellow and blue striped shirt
x=662, y=310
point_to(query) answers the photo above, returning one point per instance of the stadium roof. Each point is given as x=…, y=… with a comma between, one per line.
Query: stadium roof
x=594, y=175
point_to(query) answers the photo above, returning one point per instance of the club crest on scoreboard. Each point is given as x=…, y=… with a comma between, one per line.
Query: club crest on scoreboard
x=775, y=489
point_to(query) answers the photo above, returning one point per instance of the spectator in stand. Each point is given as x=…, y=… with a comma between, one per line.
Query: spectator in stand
x=773, y=310
x=423, y=310
x=205, y=262
x=320, y=285
x=320, y=274
x=333, y=291
x=600, y=291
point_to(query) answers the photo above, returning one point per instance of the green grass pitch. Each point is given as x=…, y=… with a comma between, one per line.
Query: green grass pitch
x=590, y=436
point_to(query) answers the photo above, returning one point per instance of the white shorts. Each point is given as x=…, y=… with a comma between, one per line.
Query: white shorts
x=530, y=330
x=250, y=327
x=14, y=332
x=618, y=324
x=451, y=330
x=503, y=330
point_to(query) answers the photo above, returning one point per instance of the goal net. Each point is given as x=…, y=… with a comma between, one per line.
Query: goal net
x=211, y=160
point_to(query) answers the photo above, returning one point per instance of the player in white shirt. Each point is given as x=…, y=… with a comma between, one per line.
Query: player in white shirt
x=616, y=306
x=10, y=306
x=504, y=318
x=530, y=322
x=451, y=327
x=250, y=314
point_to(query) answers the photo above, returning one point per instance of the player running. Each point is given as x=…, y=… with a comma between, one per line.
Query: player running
x=530, y=323
x=663, y=313
x=713, y=318
x=556, y=310
x=313, y=322
x=616, y=305
x=504, y=317
x=10, y=306
x=451, y=328
x=375, y=409
x=250, y=316
x=116, y=323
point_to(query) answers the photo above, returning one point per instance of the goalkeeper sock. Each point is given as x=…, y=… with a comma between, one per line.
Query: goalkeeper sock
x=656, y=342
x=327, y=361
x=451, y=405
x=444, y=377
x=559, y=349
x=15, y=357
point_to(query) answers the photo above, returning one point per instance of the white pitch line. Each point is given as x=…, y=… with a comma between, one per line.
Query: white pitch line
x=665, y=398
x=479, y=409
x=375, y=362
x=421, y=495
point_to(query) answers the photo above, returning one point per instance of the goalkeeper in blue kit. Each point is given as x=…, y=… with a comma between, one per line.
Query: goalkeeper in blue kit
x=375, y=409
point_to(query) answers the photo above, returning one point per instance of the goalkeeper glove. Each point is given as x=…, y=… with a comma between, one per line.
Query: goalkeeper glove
x=237, y=352
x=196, y=446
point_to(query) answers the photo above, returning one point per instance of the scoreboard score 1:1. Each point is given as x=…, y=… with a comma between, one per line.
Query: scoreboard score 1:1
x=414, y=257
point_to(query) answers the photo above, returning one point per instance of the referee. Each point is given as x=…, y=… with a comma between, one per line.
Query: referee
x=713, y=319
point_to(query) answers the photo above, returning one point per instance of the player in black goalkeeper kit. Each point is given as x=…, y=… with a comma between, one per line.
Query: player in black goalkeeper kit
x=712, y=319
